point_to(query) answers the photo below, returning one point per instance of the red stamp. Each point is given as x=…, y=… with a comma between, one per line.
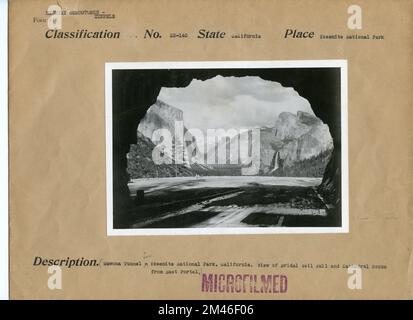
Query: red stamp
x=244, y=283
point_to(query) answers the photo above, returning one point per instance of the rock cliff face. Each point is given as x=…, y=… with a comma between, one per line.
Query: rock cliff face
x=297, y=145
x=140, y=161
x=160, y=116
x=164, y=116
x=141, y=165
x=292, y=145
x=293, y=140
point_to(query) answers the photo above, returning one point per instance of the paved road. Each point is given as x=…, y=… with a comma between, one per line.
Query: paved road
x=228, y=215
x=184, y=183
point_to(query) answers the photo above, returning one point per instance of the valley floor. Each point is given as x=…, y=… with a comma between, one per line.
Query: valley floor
x=233, y=201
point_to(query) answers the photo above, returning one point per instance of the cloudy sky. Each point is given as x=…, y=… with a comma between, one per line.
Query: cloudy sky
x=231, y=102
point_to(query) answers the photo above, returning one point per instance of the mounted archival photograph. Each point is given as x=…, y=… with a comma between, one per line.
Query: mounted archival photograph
x=224, y=150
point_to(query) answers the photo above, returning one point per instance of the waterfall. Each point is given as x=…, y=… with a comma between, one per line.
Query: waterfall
x=276, y=160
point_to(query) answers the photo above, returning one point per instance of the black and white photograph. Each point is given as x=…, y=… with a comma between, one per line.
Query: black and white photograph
x=226, y=147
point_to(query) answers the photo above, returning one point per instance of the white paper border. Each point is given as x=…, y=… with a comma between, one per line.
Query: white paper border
x=342, y=64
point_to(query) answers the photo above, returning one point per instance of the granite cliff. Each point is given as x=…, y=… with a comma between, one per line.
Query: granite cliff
x=297, y=145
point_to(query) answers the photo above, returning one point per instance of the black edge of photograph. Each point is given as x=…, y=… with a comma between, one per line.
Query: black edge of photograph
x=226, y=150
